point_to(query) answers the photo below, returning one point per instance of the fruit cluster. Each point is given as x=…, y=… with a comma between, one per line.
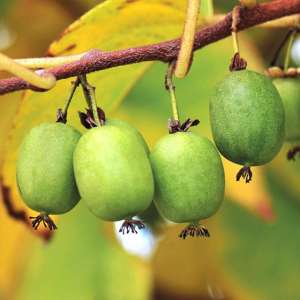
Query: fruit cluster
x=112, y=170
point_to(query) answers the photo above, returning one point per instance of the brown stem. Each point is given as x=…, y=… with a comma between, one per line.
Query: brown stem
x=96, y=60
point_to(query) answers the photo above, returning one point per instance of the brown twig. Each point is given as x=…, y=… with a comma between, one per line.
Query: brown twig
x=96, y=60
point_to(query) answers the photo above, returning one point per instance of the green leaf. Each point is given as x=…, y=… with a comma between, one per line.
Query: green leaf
x=4, y=6
x=261, y=259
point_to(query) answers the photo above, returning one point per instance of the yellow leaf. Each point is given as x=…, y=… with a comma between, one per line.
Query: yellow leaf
x=14, y=236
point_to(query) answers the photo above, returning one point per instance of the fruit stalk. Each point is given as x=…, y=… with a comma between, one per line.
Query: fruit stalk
x=237, y=62
x=89, y=94
x=75, y=84
x=171, y=88
x=62, y=113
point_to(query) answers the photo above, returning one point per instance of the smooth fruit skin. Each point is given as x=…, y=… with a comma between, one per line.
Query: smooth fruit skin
x=45, y=174
x=113, y=172
x=289, y=90
x=131, y=128
x=247, y=118
x=189, y=177
x=150, y=215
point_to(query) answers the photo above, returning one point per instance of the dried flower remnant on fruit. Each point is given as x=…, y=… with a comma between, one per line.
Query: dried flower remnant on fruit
x=194, y=230
x=246, y=173
x=175, y=126
x=292, y=153
x=237, y=63
x=131, y=225
x=61, y=117
x=47, y=222
x=87, y=118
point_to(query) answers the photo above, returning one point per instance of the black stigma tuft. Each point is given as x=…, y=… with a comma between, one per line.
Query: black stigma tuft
x=175, y=126
x=61, y=117
x=246, y=173
x=87, y=118
x=47, y=222
x=237, y=63
x=194, y=230
x=131, y=225
x=292, y=153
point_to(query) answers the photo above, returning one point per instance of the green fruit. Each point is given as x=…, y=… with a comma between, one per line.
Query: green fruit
x=189, y=177
x=45, y=174
x=289, y=90
x=247, y=118
x=120, y=123
x=113, y=172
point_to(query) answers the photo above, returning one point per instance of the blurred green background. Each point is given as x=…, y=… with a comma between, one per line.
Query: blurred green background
x=253, y=251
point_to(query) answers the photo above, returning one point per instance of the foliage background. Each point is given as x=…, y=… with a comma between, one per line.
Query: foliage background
x=253, y=252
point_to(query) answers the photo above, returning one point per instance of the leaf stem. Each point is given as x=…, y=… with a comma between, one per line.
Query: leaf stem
x=89, y=93
x=171, y=88
x=188, y=38
x=48, y=62
x=43, y=80
x=75, y=84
